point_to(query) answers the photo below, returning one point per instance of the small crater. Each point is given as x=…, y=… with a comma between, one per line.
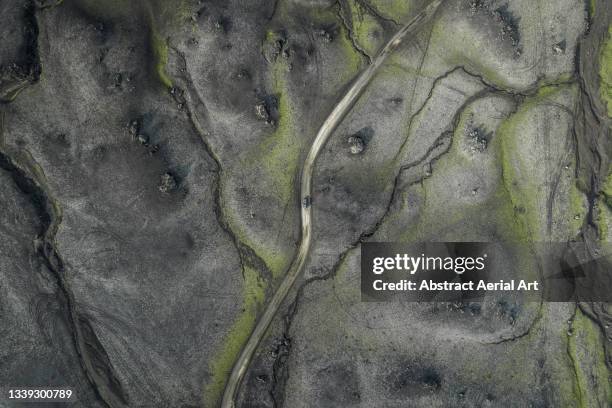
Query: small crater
x=432, y=379
x=266, y=109
x=61, y=140
x=135, y=129
x=134, y=126
x=243, y=74
x=415, y=380
x=476, y=6
x=509, y=23
x=519, y=209
x=282, y=346
x=100, y=153
x=478, y=138
x=179, y=97
x=117, y=79
x=358, y=141
x=397, y=101
x=473, y=308
x=102, y=31
x=143, y=139
x=202, y=12
x=327, y=34
x=274, y=44
x=508, y=310
x=356, y=144
x=223, y=24
x=560, y=47
x=167, y=183
x=504, y=17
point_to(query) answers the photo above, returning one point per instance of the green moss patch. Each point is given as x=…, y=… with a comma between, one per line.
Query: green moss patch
x=277, y=157
x=586, y=351
x=397, y=10
x=367, y=32
x=221, y=365
x=605, y=71
x=523, y=193
x=160, y=53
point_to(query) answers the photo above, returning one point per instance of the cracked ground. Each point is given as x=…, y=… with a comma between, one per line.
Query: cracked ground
x=150, y=159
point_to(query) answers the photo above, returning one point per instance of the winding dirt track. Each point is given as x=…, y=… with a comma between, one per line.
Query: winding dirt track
x=333, y=120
